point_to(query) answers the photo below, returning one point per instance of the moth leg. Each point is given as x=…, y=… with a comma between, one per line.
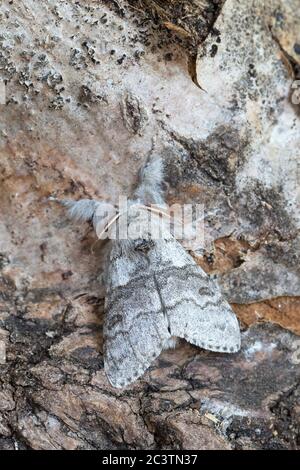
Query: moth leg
x=80, y=211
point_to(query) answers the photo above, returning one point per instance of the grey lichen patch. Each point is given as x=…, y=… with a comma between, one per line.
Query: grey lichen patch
x=134, y=113
x=215, y=160
x=176, y=159
x=4, y=260
x=243, y=69
x=90, y=48
x=90, y=97
x=77, y=59
x=53, y=78
x=41, y=61
x=57, y=102
x=263, y=211
x=252, y=83
x=7, y=46
x=25, y=78
x=33, y=69
x=57, y=12
x=271, y=271
x=288, y=254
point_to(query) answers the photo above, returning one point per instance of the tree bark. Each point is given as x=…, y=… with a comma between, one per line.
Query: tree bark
x=88, y=90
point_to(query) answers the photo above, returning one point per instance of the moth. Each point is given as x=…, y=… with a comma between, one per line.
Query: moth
x=155, y=291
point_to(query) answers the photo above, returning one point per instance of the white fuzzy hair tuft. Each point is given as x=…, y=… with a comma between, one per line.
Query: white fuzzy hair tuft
x=149, y=190
x=80, y=211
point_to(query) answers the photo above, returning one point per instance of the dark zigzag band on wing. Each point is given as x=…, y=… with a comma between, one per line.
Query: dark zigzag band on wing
x=209, y=322
x=135, y=331
x=125, y=291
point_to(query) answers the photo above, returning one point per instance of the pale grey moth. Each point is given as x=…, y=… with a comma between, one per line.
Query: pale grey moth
x=155, y=291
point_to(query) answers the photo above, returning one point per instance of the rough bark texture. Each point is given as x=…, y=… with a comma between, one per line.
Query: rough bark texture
x=91, y=88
